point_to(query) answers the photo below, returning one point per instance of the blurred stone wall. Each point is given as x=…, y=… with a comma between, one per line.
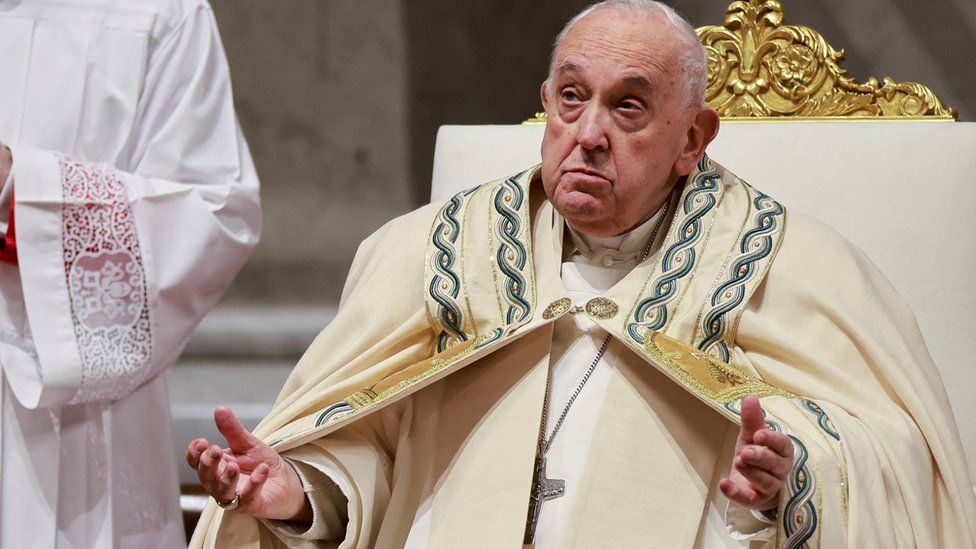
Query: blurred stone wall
x=320, y=88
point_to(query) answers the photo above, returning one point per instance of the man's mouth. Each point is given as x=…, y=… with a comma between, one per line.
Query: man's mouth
x=588, y=174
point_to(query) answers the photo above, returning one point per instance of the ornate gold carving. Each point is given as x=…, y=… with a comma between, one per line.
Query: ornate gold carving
x=601, y=307
x=759, y=67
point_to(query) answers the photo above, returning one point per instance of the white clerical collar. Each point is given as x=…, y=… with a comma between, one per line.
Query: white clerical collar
x=608, y=250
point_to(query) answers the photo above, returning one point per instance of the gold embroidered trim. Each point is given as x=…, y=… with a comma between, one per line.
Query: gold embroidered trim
x=461, y=259
x=734, y=331
x=833, y=446
x=725, y=264
x=705, y=375
x=413, y=374
x=491, y=255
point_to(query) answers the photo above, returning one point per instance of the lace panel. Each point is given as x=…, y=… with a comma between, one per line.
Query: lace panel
x=106, y=282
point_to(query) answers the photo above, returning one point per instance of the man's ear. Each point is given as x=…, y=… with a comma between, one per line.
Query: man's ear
x=702, y=131
x=544, y=94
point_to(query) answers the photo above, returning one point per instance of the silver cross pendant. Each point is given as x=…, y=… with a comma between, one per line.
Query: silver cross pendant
x=543, y=489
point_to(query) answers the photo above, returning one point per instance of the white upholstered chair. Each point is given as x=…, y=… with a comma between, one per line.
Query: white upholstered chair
x=901, y=184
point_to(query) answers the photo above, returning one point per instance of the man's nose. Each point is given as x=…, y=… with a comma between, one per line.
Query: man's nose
x=592, y=131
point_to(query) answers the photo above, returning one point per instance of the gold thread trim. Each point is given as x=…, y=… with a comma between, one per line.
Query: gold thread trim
x=491, y=257
x=702, y=373
x=396, y=383
x=461, y=256
x=768, y=263
x=529, y=245
x=833, y=445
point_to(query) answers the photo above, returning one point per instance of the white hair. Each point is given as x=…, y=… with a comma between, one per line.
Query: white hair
x=692, y=64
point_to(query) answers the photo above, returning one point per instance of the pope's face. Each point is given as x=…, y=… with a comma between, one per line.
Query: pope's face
x=618, y=137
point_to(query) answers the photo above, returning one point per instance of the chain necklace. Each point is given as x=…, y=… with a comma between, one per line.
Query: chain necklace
x=545, y=489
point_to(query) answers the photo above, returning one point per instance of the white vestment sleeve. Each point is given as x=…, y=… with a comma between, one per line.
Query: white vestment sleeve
x=116, y=267
x=748, y=525
x=330, y=515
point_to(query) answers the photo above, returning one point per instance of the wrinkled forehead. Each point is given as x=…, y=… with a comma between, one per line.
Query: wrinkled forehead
x=607, y=40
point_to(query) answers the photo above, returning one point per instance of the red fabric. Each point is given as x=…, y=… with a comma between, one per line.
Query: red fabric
x=8, y=245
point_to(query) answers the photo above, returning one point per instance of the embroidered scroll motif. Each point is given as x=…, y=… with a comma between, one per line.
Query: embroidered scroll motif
x=106, y=281
x=756, y=250
x=799, y=514
x=512, y=254
x=444, y=283
x=688, y=237
x=823, y=421
x=491, y=337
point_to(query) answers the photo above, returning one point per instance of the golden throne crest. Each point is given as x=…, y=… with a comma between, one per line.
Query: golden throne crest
x=760, y=68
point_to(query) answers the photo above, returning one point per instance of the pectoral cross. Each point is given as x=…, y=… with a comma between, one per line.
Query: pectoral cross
x=543, y=489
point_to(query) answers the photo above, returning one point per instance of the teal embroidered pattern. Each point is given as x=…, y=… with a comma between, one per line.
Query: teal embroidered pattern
x=799, y=516
x=334, y=412
x=512, y=254
x=494, y=336
x=756, y=245
x=823, y=421
x=678, y=260
x=444, y=285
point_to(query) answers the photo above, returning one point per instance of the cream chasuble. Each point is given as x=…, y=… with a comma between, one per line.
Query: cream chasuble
x=424, y=396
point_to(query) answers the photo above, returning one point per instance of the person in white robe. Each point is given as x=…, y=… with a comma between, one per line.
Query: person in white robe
x=625, y=346
x=129, y=202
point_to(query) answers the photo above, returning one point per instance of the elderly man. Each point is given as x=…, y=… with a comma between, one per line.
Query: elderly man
x=572, y=356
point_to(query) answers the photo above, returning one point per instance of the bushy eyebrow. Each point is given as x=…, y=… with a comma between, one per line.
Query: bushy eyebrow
x=568, y=67
x=637, y=81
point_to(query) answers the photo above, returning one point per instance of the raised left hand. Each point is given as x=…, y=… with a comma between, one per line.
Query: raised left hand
x=761, y=462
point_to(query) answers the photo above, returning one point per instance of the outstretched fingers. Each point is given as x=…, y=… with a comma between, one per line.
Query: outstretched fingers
x=215, y=474
x=238, y=438
x=777, y=442
x=255, y=482
x=761, y=481
x=739, y=492
x=194, y=450
x=752, y=420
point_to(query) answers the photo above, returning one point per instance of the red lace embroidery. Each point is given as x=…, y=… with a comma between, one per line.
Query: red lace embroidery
x=106, y=281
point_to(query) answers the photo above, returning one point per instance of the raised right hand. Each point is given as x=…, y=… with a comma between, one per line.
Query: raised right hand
x=268, y=486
